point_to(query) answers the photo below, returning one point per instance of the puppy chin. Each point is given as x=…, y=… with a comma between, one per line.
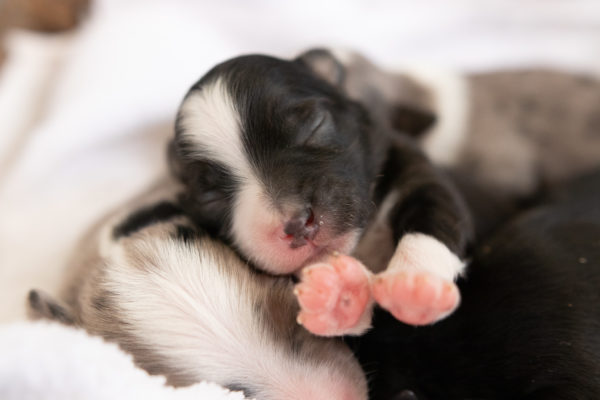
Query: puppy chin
x=273, y=253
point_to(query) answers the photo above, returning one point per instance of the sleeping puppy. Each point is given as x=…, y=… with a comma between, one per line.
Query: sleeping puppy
x=529, y=322
x=185, y=306
x=282, y=165
x=511, y=132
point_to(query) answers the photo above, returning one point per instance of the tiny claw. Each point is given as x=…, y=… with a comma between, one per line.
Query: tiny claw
x=299, y=319
x=297, y=291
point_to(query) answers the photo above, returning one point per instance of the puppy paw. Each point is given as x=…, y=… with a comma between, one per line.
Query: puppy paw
x=334, y=297
x=415, y=298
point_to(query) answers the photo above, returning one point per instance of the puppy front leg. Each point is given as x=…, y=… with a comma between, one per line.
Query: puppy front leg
x=335, y=297
x=431, y=225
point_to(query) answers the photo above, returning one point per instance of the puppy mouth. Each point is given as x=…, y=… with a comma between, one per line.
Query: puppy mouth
x=302, y=229
x=319, y=243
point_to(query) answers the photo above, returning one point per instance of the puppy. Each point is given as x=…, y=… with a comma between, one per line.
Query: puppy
x=290, y=171
x=511, y=132
x=185, y=306
x=529, y=322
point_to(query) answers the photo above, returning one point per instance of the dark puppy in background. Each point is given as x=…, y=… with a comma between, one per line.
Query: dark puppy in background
x=186, y=307
x=529, y=322
x=280, y=163
x=509, y=132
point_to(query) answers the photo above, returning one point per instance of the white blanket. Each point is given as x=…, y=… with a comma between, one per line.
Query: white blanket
x=85, y=116
x=43, y=361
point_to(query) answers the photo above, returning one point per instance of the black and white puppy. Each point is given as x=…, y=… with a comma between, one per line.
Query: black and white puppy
x=529, y=322
x=283, y=165
x=187, y=307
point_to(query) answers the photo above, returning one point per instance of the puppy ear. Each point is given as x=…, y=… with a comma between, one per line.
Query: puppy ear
x=410, y=120
x=324, y=64
x=42, y=305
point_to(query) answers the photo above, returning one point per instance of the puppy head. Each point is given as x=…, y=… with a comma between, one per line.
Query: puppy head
x=276, y=159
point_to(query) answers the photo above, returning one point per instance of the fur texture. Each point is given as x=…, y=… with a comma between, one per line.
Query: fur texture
x=185, y=306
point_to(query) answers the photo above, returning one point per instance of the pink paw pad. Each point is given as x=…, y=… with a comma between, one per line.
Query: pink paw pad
x=415, y=298
x=333, y=295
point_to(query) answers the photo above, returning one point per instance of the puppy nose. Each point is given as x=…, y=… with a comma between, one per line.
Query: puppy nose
x=301, y=228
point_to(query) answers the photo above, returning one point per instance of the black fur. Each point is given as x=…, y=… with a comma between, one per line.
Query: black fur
x=410, y=120
x=529, y=323
x=428, y=202
x=145, y=217
x=185, y=233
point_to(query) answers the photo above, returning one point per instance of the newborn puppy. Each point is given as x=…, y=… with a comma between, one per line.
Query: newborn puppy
x=279, y=162
x=528, y=326
x=185, y=306
x=511, y=132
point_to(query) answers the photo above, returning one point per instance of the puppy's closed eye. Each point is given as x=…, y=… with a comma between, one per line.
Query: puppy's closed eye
x=311, y=124
x=322, y=129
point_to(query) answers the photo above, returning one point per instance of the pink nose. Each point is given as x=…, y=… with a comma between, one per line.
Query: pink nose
x=301, y=229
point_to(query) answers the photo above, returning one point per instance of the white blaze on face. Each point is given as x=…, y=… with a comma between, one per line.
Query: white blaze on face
x=212, y=126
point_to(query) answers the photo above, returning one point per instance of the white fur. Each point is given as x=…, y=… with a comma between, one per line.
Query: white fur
x=343, y=55
x=212, y=124
x=48, y=361
x=421, y=252
x=256, y=224
x=444, y=142
x=195, y=304
x=193, y=311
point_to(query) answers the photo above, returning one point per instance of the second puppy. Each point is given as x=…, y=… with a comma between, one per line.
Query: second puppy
x=528, y=325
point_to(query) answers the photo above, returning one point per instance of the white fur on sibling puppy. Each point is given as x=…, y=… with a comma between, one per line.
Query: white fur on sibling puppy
x=190, y=291
x=444, y=142
x=194, y=306
x=420, y=252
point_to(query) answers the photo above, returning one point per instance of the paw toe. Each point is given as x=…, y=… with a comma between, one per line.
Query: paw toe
x=333, y=296
x=415, y=298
